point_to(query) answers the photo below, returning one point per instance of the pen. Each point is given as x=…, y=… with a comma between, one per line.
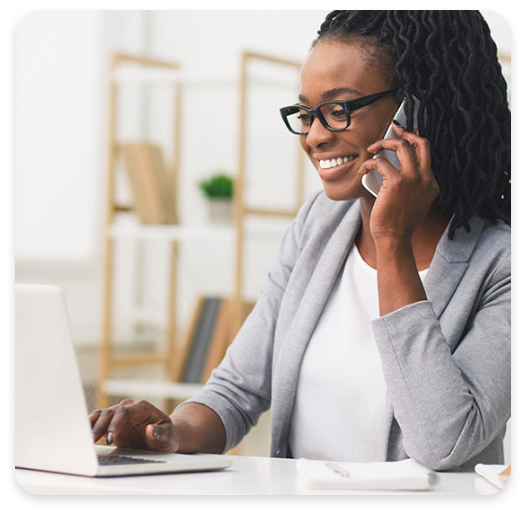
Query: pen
x=336, y=468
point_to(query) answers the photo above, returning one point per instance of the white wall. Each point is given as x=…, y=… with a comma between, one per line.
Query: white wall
x=60, y=130
x=57, y=122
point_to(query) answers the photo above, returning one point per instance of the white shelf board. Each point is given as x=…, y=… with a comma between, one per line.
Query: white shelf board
x=170, y=232
x=161, y=76
x=257, y=228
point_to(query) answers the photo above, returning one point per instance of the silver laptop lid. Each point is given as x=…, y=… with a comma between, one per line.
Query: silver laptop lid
x=52, y=430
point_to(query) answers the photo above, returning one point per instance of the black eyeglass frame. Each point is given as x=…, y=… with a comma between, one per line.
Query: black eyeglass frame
x=348, y=106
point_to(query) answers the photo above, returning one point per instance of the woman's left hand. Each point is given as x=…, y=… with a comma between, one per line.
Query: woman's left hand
x=406, y=194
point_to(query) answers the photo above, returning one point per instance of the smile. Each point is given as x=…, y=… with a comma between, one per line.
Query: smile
x=336, y=161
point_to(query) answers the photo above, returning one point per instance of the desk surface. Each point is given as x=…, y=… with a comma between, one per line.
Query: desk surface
x=247, y=476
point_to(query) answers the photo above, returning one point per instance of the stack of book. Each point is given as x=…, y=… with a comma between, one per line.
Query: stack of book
x=208, y=338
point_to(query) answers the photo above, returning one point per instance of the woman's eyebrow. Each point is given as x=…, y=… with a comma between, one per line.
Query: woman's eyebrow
x=336, y=92
x=333, y=93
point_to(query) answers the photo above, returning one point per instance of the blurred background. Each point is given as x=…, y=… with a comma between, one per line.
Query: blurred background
x=104, y=99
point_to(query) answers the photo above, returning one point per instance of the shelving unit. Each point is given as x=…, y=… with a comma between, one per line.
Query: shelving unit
x=174, y=352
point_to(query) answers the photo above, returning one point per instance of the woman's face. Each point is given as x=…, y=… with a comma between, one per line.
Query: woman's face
x=345, y=71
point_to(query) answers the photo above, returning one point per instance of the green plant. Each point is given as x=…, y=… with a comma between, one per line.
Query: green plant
x=218, y=186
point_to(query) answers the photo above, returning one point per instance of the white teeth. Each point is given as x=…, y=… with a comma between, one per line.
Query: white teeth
x=329, y=163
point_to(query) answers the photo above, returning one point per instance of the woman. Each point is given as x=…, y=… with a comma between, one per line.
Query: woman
x=383, y=331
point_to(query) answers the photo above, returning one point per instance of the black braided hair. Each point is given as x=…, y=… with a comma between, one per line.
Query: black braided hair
x=448, y=60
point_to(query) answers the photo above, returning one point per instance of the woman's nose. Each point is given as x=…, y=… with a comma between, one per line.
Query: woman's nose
x=318, y=134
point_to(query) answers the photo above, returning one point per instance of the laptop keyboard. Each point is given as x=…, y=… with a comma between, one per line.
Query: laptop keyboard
x=124, y=460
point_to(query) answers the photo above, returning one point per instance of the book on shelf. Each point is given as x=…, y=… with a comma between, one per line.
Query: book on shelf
x=208, y=338
x=152, y=190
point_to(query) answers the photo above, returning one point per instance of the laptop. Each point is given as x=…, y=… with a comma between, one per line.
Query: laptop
x=52, y=430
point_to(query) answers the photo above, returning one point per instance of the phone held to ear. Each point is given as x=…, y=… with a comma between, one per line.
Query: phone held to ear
x=372, y=180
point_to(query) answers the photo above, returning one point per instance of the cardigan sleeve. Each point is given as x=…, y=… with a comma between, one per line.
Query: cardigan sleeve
x=449, y=404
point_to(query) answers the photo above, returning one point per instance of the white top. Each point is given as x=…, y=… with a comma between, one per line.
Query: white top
x=340, y=406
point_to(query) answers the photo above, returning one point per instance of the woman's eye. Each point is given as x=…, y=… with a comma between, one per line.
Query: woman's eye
x=304, y=119
x=338, y=113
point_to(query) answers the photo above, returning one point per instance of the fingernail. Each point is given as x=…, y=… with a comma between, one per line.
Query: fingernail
x=397, y=123
x=109, y=438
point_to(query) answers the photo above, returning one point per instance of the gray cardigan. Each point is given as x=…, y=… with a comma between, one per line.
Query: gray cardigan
x=446, y=360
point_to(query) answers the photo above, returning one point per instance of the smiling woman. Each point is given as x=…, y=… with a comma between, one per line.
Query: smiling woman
x=383, y=330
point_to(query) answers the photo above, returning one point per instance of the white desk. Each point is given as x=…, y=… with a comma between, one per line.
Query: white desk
x=247, y=476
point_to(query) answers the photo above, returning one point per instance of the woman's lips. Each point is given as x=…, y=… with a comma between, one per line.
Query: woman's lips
x=332, y=168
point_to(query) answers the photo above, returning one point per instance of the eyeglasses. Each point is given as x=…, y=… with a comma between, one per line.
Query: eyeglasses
x=335, y=116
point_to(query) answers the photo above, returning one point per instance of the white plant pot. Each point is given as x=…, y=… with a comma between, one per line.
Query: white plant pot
x=221, y=211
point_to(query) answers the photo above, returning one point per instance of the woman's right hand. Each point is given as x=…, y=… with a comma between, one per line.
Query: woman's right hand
x=135, y=425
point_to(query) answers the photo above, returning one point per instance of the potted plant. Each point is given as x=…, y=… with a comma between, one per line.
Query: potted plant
x=219, y=191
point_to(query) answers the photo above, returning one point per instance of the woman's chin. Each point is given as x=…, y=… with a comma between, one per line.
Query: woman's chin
x=339, y=192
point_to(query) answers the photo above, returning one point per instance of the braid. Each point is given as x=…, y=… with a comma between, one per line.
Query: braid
x=448, y=60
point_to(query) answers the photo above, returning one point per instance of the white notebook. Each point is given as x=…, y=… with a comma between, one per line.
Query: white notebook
x=389, y=475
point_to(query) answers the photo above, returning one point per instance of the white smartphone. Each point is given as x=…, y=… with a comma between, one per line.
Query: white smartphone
x=372, y=180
